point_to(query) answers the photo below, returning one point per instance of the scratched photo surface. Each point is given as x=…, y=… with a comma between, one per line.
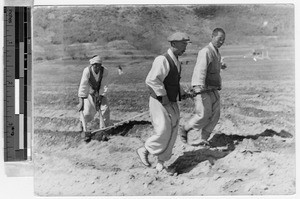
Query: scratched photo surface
x=253, y=145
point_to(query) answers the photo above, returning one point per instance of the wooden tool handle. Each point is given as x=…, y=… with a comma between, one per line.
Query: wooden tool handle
x=82, y=120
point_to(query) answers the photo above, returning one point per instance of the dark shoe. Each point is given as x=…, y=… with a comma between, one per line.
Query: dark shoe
x=86, y=135
x=168, y=171
x=143, y=154
x=183, y=134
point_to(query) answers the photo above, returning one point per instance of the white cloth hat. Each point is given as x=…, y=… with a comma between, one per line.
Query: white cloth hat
x=96, y=60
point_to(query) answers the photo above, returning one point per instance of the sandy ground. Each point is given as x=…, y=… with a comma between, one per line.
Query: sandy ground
x=252, y=151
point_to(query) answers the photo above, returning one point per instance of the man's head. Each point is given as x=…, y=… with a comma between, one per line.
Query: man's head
x=218, y=37
x=179, y=42
x=96, y=63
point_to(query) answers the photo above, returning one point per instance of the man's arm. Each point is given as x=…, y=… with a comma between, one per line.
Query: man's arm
x=155, y=78
x=84, y=86
x=83, y=90
x=200, y=70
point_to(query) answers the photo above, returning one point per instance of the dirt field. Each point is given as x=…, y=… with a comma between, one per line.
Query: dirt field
x=253, y=145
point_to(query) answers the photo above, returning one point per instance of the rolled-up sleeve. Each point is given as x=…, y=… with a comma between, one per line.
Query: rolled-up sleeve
x=200, y=70
x=104, y=83
x=84, y=86
x=155, y=78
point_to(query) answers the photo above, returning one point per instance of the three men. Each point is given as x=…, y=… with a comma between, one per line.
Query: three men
x=206, y=82
x=163, y=81
x=91, y=93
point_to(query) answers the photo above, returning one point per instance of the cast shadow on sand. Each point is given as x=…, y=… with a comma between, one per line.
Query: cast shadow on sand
x=220, y=146
x=132, y=127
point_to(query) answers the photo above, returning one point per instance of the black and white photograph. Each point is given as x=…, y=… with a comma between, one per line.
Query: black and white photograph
x=164, y=100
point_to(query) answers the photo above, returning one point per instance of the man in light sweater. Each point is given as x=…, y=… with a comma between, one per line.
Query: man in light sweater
x=92, y=90
x=163, y=83
x=206, y=83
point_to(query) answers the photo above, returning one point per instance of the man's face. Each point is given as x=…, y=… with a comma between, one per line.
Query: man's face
x=180, y=46
x=218, y=40
x=97, y=67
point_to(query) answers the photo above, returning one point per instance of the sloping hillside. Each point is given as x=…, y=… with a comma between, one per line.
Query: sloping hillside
x=146, y=27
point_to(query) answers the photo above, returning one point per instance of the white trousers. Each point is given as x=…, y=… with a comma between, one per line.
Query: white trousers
x=207, y=114
x=165, y=120
x=89, y=110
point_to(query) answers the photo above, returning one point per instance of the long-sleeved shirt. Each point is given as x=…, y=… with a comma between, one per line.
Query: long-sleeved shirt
x=85, y=89
x=207, y=68
x=159, y=71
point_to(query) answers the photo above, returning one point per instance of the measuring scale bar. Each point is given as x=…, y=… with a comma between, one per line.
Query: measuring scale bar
x=17, y=84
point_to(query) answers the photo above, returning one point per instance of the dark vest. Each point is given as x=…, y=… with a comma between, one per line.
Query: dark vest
x=213, y=77
x=171, y=82
x=92, y=81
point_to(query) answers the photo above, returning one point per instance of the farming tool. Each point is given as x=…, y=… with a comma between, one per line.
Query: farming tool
x=103, y=132
x=191, y=93
x=101, y=120
x=82, y=120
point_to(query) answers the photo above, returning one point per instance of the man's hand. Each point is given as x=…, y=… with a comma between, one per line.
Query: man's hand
x=80, y=104
x=165, y=100
x=187, y=95
x=199, y=89
x=184, y=96
x=223, y=65
x=100, y=99
x=99, y=102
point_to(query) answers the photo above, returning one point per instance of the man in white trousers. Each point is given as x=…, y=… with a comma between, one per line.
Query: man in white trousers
x=165, y=90
x=206, y=83
x=92, y=91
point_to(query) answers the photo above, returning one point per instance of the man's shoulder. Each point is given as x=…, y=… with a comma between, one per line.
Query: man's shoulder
x=163, y=55
x=160, y=58
x=86, y=69
x=204, y=50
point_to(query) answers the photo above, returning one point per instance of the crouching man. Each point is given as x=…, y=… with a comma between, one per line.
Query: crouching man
x=91, y=94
